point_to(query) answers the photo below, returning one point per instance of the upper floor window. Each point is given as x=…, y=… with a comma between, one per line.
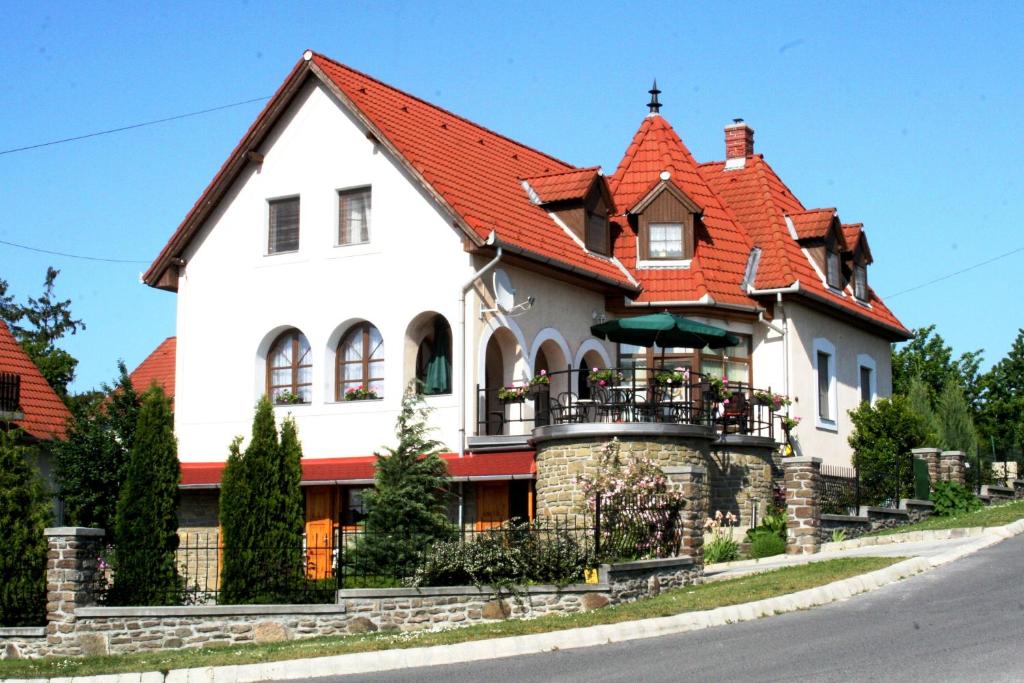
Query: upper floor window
x=665, y=241
x=354, y=216
x=290, y=369
x=868, y=387
x=834, y=273
x=825, y=379
x=597, y=237
x=360, y=361
x=283, y=233
x=860, y=282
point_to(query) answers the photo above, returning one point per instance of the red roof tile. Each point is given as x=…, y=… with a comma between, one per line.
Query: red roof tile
x=488, y=465
x=720, y=254
x=568, y=185
x=813, y=223
x=158, y=367
x=760, y=201
x=45, y=414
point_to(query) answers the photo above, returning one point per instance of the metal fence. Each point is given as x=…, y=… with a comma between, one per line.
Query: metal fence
x=549, y=549
x=839, y=490
x=22, y=591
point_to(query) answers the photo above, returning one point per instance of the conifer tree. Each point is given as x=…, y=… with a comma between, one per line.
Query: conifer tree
x=24, y=513
x=956, y=426
x=146, y=524
x=919, y=402
x=261, y=514
x=406, y=508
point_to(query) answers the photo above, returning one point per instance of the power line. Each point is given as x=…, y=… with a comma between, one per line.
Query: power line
x=132, y=126
x=959, y=272
x=78, y=256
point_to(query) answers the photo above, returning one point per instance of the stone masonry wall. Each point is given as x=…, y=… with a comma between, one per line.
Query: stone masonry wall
x=741, y=479
x=803, y=506
x=560, y=462
x=631, y=581
x=951, y=466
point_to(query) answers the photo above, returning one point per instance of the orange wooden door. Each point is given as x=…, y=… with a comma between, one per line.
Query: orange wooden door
x=491, y=504
x=319, y=532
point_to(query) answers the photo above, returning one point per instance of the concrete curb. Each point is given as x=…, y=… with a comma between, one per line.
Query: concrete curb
x=390, y=660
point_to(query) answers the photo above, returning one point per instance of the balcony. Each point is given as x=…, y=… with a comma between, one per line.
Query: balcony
x=618, y=401
x=10, y=397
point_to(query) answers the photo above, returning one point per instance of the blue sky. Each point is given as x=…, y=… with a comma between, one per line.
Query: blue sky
x=905, y=116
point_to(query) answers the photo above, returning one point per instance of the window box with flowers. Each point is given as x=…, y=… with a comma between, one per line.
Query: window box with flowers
x=775, y=402
x=287, y=398
x=539, y=384
x=603, y=378
x=718, y=389
x=673, y=377
x=361, y=393
x=512, y=394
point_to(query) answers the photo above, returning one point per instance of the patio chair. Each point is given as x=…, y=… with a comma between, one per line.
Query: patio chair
x=566, y=408
x=736, y=413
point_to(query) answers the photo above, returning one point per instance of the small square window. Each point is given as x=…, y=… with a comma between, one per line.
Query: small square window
x=283, y=234
x=354, y=216
x=665, y=241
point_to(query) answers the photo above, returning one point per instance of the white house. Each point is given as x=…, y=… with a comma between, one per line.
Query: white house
x=360, y=238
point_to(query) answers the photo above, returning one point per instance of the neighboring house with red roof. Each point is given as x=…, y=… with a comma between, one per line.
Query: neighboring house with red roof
x=157, y=368
x=28, y=402
x=359, y=237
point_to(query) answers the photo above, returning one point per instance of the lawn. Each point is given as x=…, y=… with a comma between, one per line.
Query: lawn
x=993, y=515
x=688, y=599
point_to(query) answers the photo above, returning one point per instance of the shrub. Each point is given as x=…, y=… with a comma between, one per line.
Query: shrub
x=518, y=553
x=773, y=522
x=24, y=513
x=765, y=543
x=146, y=524
x=951, y=499
x=882, y=438
x=722, y=547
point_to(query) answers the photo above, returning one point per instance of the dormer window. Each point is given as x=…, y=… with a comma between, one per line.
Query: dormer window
x=860, y=282
x=834, y=274
x=665, y=219
x=597, y=237
x=665, y=240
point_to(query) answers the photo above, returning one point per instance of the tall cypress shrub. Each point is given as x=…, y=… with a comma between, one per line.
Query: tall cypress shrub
x=919, y=401
x=261, y=515
x=956, y=426
x=24, y=513
x=406, y=508
x=146, y=522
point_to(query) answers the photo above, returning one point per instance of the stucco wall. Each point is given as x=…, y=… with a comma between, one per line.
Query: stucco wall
x=805, y=326
x=233, y=299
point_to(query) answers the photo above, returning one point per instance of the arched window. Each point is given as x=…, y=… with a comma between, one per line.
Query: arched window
x=290, y=369
x=360, y=360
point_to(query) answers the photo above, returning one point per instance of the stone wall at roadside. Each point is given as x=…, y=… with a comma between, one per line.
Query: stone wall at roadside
x=631, y=581
x=741, y=472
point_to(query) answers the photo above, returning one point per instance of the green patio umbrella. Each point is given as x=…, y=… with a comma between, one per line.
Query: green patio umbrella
x=439, y=367
x=664, y=329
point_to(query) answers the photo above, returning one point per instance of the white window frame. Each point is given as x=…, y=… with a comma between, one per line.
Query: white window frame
x=351, y=246
x=823, y=345
x=866, y=361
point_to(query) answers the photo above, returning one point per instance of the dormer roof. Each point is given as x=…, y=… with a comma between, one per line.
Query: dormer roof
x=814, y=224
x=564, y=186
x=856, y=238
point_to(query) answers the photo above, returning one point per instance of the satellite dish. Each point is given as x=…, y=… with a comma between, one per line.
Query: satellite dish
x=504, y=293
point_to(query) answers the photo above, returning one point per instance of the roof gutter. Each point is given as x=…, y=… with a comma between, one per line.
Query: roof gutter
x=565, y=267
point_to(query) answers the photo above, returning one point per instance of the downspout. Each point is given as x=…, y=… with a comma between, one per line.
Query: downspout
x=462, y=328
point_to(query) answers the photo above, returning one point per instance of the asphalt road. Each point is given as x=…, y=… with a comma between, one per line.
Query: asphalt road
x=961, y=622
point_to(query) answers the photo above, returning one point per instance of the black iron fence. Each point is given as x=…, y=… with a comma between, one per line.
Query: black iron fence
x=627, y=394
x=552, y=549
x=22, y=591
x=10, y=391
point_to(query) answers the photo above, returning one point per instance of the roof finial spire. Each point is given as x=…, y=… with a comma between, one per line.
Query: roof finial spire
x=654, y=105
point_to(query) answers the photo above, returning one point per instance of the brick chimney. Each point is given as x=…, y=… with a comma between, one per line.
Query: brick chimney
x=739, y=140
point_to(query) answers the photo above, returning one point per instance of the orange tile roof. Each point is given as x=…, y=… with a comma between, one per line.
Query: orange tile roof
x=852, y=233
x=563, y=186
x=158, y=367
x=720, y=255
x=760, y=201
x=45, y=414
x=813, y=223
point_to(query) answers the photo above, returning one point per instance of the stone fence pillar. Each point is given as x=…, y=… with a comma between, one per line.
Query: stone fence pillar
x=930, y=456
x=951, y=466
x=71, y=568
x=803, y=505
x=692, y=482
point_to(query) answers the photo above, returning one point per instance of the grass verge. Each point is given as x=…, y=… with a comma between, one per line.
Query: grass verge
x=687, y=599
x=992, y=515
